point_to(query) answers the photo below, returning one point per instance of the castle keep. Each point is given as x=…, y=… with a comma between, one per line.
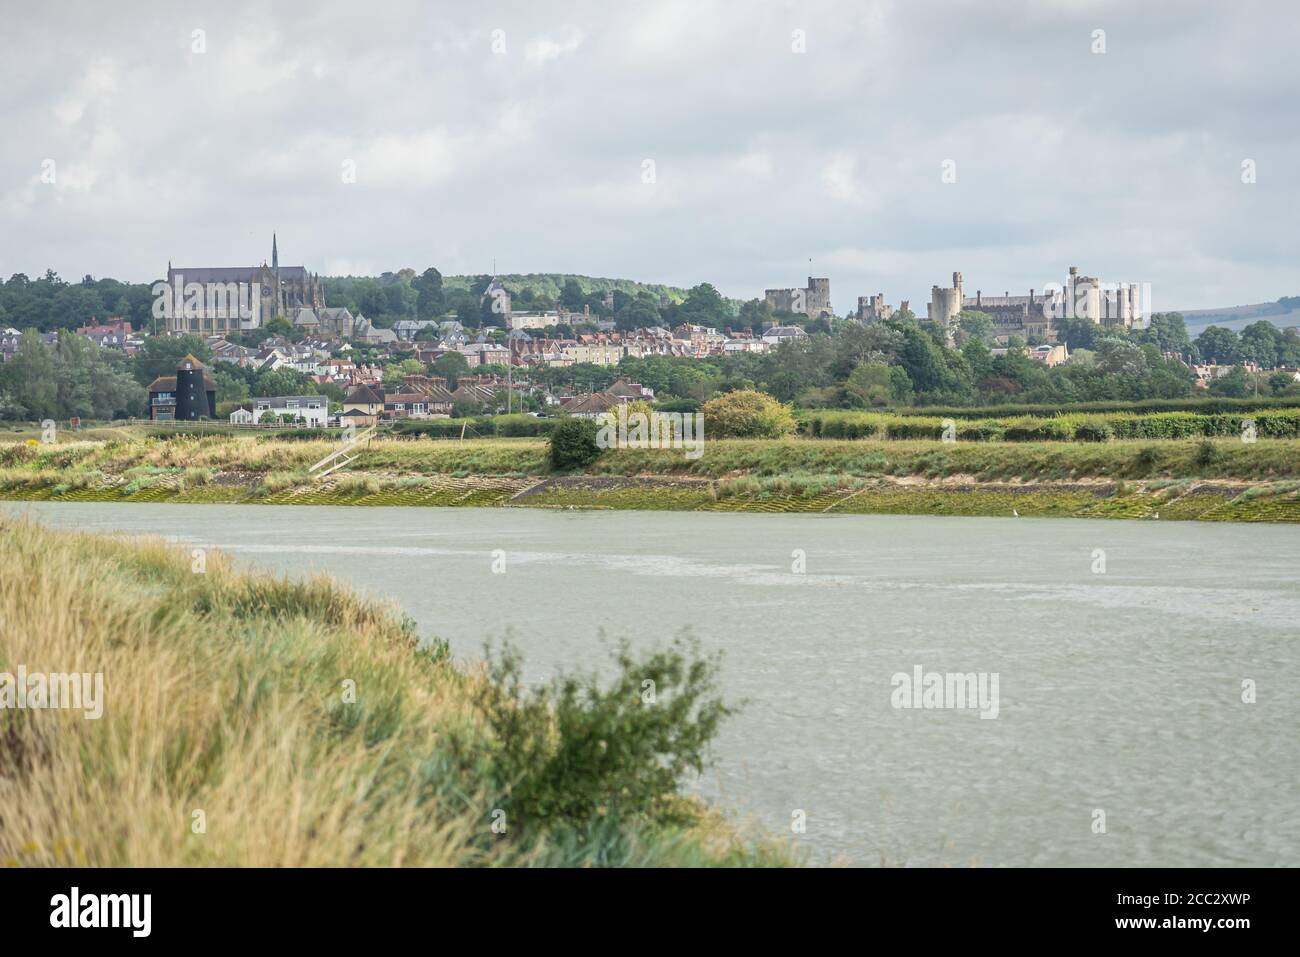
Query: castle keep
x=813, y=301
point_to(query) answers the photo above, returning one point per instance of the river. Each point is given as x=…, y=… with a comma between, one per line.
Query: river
x=1122, y=652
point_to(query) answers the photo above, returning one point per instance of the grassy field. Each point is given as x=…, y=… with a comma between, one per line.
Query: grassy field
x=1260, y=479
x=254, y=721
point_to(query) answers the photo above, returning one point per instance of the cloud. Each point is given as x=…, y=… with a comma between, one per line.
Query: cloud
x=840, y=178
x=765, y=158
x=540, y=50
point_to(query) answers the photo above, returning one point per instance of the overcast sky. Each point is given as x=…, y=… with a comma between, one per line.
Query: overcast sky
x=768, y=164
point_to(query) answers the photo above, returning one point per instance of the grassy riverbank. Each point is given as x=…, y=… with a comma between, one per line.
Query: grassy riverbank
x=1221, y=479
x=228, y=701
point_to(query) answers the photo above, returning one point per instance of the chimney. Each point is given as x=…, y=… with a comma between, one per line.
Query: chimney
x=978, y=296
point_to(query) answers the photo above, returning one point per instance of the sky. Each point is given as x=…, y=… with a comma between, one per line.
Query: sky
x=747, y=144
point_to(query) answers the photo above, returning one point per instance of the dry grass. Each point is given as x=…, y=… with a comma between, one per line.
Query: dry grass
x=224, y=694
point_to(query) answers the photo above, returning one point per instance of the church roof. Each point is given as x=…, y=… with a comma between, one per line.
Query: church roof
x=202, y=274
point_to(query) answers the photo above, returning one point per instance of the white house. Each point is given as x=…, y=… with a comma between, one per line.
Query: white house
x=779, y=334
x=311, y=410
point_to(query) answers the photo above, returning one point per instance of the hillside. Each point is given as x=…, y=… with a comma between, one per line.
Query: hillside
x=549, y=285
x=1282, y=313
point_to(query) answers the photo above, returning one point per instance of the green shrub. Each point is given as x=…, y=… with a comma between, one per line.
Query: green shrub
x=1093, y=430
x=572, y=754
x=979, y=433
x=747, y=414
x=1037, y=430
x=474, y=428
x=914, y=430
x=573, y=444
x=1277, y=425
x=1147, y=458
x=521, y=426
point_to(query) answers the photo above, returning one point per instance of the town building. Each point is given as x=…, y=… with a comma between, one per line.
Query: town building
x=189, y=395
x=216, y=300
x=310, y=410
x=364, y=400
x=779, y=334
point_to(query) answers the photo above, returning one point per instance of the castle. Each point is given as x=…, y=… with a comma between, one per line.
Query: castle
x=873, y=308
x=223, y=301
x=1085, y=297
x=813, y=301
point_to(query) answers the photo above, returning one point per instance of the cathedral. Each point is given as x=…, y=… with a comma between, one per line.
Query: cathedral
x=217, y=299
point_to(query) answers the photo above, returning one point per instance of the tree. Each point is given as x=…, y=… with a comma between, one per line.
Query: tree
x=636, y=315
x=755, y=315
x=975, y=325
x=1121, y=358
x=922, y=358
x=428, y=292
x=275, y=382
x=160, y=355
x=393, y=373
x=89, y=382
x=747, y=414
x=870, y=382
x=29, y=378
x=1077, y=332
x=1262, y=342
x=572, y=444
x=1218, y=345
x=704, y=306
x=451, y=366
x=571, y=296
x=1168, y=331
x=1234, y=385
x=1281, y=382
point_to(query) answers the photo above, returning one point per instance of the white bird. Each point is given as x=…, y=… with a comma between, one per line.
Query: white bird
x=1015, y=513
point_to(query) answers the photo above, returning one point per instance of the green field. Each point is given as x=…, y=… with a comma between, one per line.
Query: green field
x=1205, y=479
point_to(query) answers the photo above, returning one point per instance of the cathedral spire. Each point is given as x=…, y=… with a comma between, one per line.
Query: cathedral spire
x=275, y=254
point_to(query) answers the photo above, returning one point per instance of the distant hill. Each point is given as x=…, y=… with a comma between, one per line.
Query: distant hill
x=549, y=284
x=1285, y=312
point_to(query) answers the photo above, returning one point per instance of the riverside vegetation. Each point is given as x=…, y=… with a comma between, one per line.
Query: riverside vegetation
x=225, y=695
x=1209, y=474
